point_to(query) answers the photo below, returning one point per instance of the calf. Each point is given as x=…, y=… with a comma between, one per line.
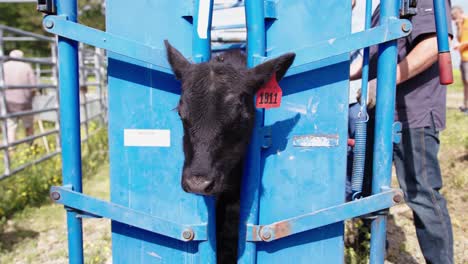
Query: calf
x=217, y=112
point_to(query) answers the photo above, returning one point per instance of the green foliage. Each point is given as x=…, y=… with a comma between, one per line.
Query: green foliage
x=30, y=187
x=357, y=241
x=25, y=17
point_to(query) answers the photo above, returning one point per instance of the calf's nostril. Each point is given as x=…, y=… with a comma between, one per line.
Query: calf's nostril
x=198, y=185
x=209, y=187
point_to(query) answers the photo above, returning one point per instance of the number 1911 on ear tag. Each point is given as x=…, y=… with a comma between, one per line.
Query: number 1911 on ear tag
x=269, y=96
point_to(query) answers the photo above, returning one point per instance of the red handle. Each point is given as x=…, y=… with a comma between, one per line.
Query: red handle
x=445, y=68
x=351, y=142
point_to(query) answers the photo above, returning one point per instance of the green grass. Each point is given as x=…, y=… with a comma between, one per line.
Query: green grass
x=38, y=234
x=457, y=85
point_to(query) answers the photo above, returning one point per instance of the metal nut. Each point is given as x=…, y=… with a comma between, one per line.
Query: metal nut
x=265, y=234
x=397, y=198
x=49, y=24
x=405, y=27
x=188, y=234
x=55, y=196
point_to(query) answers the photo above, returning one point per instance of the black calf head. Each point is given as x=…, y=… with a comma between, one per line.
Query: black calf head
x=217, y=111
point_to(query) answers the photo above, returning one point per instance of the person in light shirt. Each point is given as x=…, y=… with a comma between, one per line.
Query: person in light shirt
x=461, y=22
x=20, y=75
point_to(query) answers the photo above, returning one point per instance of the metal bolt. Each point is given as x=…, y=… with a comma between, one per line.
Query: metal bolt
x=49, y=24
x=188, y=234
x=397, y=198
x=266, y=234
x=55, y=196
x=405, y=27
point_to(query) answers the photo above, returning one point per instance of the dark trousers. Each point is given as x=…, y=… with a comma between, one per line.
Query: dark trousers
x=418, y=172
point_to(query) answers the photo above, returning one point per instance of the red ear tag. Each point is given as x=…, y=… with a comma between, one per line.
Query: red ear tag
x=269, y=96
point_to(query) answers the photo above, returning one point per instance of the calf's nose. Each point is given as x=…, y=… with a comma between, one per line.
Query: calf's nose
x=198, y=185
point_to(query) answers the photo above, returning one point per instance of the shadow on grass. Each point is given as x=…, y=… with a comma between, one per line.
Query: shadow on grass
x=396, y=241
x=8, y=239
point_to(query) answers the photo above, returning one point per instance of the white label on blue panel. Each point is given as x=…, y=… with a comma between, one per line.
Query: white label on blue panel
x=147, y=138
x=203, y=13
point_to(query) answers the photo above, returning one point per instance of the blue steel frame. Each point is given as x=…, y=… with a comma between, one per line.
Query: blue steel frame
x=70, y=127
x=392, y=28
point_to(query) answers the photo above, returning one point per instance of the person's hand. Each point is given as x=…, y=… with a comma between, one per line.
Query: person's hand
x=456, y=46
x=371, y=94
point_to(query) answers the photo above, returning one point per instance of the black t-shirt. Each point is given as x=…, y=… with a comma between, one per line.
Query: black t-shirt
x=420, y=99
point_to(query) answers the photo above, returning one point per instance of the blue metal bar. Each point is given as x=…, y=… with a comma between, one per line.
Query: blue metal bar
x=324, y=217
x=445, y=60
x=365, y=62
x=311, y=56
x=441, y=26
x=224, y=6
x=256, y=45
x=70, y=127
x=233, y=26
x=60, y=26
x=122, y=214
x=385, y=109
x=201, y=52
x=202, y=30
x=228, y=46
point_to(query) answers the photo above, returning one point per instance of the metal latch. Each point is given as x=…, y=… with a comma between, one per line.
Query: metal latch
x=396, y=132
x=408, y=8
x=46, y=6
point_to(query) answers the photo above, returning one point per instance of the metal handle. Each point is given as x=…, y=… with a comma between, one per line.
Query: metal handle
x=445, y=60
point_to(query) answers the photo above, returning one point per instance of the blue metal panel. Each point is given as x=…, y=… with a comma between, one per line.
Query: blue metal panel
x=147, y=178
x=70, y=127
x=296, y=179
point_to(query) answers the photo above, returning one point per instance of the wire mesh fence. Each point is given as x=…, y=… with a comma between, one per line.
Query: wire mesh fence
x=39, y=118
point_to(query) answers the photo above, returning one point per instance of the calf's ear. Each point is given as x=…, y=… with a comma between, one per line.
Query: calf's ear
x=262, y=73
x=178, y=62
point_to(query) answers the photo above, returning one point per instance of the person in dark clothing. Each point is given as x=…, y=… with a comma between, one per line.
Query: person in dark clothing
x=420, y=107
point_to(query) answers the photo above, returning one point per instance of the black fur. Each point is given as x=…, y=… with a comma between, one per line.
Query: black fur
x=217, y=111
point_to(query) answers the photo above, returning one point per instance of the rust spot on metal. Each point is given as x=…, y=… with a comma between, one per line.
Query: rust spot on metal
x=397, y=198
x=254, y=233
x=188, y=234
x=282, y=229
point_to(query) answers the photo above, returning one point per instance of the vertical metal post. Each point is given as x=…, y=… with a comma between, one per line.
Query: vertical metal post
x=201, y=52
x=385, y=109
x=70, y=126
x=3, y=112
x=203, y=14
x=53, y=50
x=255, y=21
x=97, y=73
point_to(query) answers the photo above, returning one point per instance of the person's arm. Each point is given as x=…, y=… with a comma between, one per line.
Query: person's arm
x=460, y=46
x=421, y=57
x=459, y=26
x=355, y=70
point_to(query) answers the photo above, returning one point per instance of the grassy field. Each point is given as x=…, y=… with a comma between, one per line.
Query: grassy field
x=38, y=234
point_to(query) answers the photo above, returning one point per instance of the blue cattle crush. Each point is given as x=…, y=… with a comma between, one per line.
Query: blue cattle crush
x=293, y=195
